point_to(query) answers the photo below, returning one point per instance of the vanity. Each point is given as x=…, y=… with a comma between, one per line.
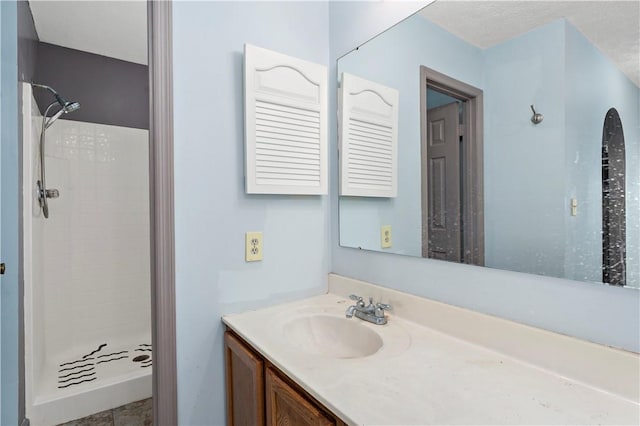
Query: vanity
x=259, y=393
x=305, y=362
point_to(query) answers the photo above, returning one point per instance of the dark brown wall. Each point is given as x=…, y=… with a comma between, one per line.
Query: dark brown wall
x=110, y=91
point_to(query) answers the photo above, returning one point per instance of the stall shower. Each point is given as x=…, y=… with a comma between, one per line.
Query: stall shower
x=86, y=250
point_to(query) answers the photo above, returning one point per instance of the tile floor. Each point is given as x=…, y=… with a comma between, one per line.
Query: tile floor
x=139, y=413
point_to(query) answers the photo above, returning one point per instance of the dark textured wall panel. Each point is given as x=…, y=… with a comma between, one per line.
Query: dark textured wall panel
x=110, y=91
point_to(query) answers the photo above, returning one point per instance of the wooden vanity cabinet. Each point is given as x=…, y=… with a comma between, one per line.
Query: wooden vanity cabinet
x=245, y=383
x=259, y=394
x=286, y=406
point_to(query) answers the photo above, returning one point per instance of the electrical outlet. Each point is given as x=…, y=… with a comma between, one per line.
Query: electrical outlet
x=385, y=236
x=253, y=246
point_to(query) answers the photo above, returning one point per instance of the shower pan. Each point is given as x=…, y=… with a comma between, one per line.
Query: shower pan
x=87, y=311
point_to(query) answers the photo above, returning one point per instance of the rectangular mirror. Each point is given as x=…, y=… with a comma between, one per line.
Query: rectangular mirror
x=518, y=138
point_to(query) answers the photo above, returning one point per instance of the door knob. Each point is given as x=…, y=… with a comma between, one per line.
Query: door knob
x=2, y=268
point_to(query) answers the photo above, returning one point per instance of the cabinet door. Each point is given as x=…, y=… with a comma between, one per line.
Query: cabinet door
x=287, y=407
x=245, y=384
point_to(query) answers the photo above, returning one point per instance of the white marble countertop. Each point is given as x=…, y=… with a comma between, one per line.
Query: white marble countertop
x=424, y=376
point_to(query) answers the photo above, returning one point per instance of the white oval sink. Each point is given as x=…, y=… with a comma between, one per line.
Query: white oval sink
x=332, y=336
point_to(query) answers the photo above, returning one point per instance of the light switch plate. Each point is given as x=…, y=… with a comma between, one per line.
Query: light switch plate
x=253, y=246
x=385, y=236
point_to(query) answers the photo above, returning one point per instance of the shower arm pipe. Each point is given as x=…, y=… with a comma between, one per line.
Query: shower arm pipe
x=43, y=86
x=51, y=89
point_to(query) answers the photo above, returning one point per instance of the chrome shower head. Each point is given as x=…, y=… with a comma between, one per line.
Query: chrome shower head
x=66, y=105
x=71, y=106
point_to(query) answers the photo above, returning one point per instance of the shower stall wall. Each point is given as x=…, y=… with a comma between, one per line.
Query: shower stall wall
x=87, y=280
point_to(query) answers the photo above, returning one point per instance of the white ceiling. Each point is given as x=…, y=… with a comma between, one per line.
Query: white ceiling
x=117, y=29
x=612, y=26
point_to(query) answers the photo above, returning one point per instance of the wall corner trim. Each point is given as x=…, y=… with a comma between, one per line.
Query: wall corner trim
x=162, y=216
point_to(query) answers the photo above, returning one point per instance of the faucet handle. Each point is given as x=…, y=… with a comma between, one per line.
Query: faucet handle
x=359, y=300
x=383, y=306
x=380, y=308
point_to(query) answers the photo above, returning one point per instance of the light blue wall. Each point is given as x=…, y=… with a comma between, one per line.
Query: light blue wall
x=401, y=51
x=593, y=85
x=212, y=210
x=593, y=312
x=9, y=226
x=524, y=163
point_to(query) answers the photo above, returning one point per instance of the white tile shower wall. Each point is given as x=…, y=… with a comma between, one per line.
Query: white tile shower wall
x=95, y=257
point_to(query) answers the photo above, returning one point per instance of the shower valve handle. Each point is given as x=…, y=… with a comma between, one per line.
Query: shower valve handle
x=52, y=193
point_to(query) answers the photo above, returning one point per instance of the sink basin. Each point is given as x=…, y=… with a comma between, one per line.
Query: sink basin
x=332, y=336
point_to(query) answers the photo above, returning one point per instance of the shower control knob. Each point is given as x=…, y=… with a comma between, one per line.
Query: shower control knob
x=2, y=268
x=52, y=193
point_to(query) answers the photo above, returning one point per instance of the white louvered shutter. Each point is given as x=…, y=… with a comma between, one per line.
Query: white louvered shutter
x=368, y=138
x=285, y=124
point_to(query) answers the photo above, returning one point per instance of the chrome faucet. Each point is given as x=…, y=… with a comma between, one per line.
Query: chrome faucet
x=373, y=313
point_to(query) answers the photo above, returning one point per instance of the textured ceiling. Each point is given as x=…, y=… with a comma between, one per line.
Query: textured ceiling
x=613, y=26
x=117, y=29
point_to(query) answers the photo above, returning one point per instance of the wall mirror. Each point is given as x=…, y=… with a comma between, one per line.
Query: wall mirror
x=499, y=134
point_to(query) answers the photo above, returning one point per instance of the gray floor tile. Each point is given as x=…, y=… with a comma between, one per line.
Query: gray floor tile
x=139, y=413
x=104, y=418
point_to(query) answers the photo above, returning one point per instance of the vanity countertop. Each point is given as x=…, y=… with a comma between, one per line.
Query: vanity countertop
x=425, y=376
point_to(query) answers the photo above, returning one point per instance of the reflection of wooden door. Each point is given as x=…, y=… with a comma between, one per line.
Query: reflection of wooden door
x=443, y=183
